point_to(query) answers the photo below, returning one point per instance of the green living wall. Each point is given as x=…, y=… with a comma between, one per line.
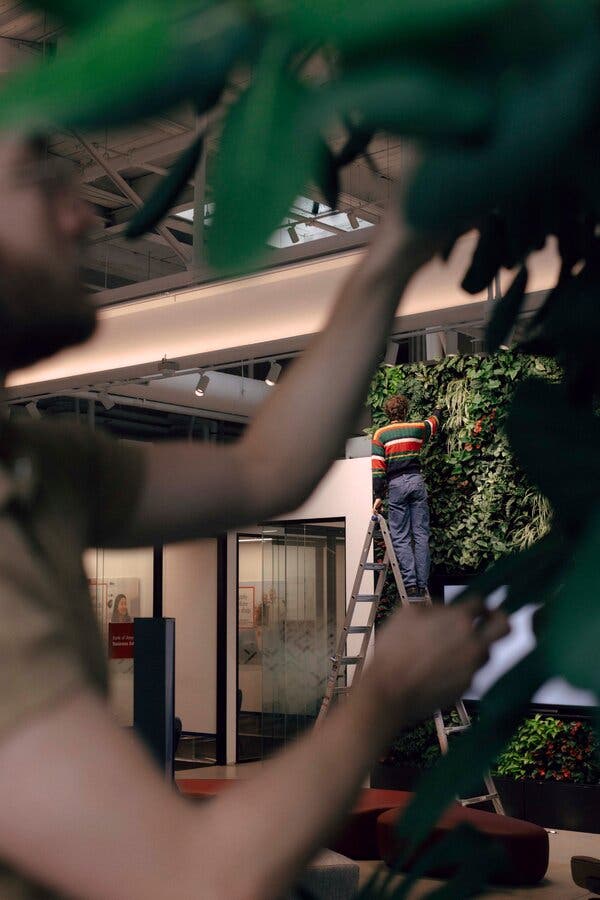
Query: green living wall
x=482, y=505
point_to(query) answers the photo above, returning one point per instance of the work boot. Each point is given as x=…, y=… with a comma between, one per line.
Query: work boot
x=413, y=591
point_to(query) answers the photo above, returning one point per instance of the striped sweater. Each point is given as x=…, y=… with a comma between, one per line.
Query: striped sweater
x=397, y=447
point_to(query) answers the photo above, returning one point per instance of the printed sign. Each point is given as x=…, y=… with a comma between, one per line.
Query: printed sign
x=120, y=640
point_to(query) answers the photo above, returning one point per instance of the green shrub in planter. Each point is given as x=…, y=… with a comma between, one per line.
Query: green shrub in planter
x=549, y=749
x=417, y=747
x=543, y=748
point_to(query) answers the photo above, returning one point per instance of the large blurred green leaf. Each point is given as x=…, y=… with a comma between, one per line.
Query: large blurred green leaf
x=413, y=98
x=353, y=23
x=505, y=312
x=539, y=120
x=137, y=62
x=572, y=622
x=459, y=772
x=557, y=446
x=268, y=151
x=472, y=855
x=74, y=12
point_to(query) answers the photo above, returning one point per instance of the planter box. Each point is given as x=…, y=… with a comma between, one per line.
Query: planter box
x=575, y=807
x=552, y=804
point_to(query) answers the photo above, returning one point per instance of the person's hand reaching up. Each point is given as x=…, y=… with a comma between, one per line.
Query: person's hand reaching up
x=425, y=657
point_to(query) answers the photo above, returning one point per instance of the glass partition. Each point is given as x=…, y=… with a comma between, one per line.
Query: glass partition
x=291, y=593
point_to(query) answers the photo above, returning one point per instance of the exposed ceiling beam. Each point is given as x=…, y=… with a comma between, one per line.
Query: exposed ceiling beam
x=137, y=157
x=135, y=198
x=128, y=262
x=119, y=229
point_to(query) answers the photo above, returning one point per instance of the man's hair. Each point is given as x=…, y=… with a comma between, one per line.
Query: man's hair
x=396, y=408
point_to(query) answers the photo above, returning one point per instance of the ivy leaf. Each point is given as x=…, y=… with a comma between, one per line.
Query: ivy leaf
x=164, y=196
x=351, y=24
x=267, y=155
x=506, y=311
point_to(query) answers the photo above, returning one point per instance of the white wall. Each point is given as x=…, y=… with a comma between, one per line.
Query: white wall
x=345, y=492
x=190, y=597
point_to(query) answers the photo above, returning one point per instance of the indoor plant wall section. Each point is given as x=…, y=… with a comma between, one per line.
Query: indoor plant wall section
x=482, y=505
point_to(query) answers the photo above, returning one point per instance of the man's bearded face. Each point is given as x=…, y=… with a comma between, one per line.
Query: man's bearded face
x=43, y=307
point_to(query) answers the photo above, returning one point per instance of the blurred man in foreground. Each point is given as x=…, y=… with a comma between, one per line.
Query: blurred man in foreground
x=83, y=811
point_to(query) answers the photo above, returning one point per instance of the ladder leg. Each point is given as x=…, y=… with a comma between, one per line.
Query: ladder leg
x=440, y=728
x=463, y=715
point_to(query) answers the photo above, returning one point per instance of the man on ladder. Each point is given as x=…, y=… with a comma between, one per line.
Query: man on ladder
x=396, y=464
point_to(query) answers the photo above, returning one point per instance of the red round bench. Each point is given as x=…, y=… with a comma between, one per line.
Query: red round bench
x=526, y=845
x=369, y=830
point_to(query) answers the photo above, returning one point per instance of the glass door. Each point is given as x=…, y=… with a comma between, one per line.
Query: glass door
x=291, y=596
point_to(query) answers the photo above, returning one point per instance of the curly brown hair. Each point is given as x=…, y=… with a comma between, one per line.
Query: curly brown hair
x=396, y=408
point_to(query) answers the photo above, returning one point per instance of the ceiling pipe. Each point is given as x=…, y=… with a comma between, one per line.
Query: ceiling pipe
x=138, y=403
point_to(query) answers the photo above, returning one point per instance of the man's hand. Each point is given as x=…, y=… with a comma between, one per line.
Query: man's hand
x=426, y=657
x=377, y=506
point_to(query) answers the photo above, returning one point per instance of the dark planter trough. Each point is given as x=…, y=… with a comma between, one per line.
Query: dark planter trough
x=553, y=804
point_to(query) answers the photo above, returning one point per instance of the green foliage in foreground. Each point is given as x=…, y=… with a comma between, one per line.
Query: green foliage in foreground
x=503, y=95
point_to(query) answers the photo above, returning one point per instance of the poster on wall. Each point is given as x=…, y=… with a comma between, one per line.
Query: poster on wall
x=122, y=605
x=123, y=600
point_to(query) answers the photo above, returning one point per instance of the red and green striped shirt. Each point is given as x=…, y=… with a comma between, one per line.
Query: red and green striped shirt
x=396, y=449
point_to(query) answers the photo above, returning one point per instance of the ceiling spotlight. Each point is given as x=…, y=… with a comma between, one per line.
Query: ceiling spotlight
x=273, y=374
x=106, y=401
x=32, y=409
x=202, y=385
x=294, y=238
x=391, y=354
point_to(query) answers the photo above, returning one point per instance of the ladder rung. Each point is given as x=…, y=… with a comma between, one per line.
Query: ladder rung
x=418, y=599
x=358, y=629
x=342, y=690
x=367, y=598
x=471, y=801
x=350, y=660
x=374, y=567
x=455, y=729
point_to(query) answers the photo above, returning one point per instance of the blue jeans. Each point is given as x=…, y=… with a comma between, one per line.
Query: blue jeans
x=409, y=527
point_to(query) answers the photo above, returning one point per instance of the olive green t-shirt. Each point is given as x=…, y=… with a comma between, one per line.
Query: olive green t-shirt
x=62, y=489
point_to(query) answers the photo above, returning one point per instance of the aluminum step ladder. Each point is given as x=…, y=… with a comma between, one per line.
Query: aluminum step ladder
x=342, y=660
